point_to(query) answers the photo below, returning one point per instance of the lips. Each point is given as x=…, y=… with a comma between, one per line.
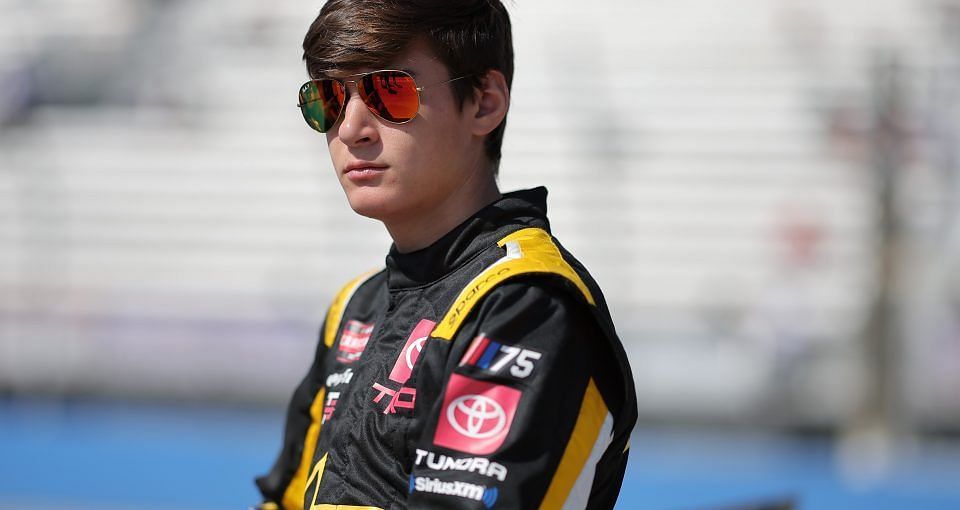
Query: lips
x=366, y=171
x=363, y=166
x=363, y=170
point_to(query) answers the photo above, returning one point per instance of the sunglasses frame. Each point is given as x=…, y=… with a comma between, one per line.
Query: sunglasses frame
x=356, y=81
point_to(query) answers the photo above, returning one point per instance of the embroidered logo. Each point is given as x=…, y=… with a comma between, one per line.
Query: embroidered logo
x=486, y=495
x=340, y=378
x=330, y=405
x=476, y=415
x=440, y=462
x=353, y=341
x=404, y=397
x=495, y=357
x=411, y=351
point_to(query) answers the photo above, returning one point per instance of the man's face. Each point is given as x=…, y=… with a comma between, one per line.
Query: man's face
x=401, y=172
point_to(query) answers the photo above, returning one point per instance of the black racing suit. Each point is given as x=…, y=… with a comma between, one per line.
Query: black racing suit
x=451, y=379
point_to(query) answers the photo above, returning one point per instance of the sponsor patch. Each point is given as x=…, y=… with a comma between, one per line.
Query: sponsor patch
x=340, y=378
x=353, y=341
x=476, y=415
x=404, y=397
x=486, y=495
x=411, y=351
x=330, y=405
x=480, y=465
x=498, y=358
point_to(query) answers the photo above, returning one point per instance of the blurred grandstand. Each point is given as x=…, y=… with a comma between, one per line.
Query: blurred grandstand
x=783, y=178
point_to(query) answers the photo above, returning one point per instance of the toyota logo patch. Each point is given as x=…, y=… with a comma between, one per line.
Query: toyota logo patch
x=476, y=415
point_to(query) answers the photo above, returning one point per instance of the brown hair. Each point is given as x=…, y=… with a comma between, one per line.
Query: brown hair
x=470, y=37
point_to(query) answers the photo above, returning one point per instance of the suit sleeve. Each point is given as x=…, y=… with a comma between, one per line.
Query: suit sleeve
x=274, y=484
x=522, y=420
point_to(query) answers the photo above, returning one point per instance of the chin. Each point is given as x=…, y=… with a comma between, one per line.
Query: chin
x=371, y=202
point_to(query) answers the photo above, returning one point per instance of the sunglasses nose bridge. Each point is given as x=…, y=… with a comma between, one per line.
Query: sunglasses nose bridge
x=354, y=91
x=349, y=92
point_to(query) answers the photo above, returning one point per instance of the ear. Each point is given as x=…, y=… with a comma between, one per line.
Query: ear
x=491, y=100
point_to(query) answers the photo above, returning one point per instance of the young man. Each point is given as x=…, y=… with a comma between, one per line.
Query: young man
x=480, y=369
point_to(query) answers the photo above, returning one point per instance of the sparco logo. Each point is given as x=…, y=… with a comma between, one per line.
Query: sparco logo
x=476, y=416
x=472, y=293
x=439, y=462
x=340, y=378
x=462, y=489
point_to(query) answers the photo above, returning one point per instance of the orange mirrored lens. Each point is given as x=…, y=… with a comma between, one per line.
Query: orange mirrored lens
x=390, y=94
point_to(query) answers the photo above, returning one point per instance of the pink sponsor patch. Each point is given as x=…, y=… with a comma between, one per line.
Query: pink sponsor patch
x=476, y=415
x=411, y=351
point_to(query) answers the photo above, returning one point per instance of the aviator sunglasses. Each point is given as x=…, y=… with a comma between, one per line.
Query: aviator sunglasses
x=390, y=94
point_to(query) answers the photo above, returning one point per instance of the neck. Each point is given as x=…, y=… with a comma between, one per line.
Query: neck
x=415, y=233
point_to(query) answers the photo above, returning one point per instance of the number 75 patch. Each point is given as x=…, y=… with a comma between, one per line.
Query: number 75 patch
x=499, y=358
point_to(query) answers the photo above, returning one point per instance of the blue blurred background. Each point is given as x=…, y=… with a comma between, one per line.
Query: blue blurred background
x=767, y=190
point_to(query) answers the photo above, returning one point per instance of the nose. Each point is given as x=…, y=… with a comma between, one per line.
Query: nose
x=358, y=126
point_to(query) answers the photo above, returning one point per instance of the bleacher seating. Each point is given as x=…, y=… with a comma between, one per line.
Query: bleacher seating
x=190, y=226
